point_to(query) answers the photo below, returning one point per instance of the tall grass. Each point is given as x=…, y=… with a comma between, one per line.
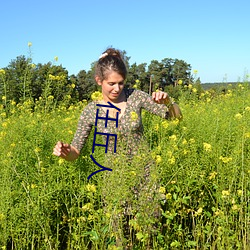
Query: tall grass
x=201, y=169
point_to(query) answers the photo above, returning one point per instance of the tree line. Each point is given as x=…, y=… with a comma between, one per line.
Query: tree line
x=22, y=79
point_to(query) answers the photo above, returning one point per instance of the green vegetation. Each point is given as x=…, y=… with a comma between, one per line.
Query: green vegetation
x=201, y=171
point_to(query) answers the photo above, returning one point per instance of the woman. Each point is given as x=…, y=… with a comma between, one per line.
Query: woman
x=110, y=74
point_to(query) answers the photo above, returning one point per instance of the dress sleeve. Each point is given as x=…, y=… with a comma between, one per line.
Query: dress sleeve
x=84, y=127
x=151, y=106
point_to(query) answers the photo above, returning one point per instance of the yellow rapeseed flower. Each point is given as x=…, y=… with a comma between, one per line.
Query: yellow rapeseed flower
x=96, y=96
x=158, y=159
x=133, y=116
x=173, y=137
x=91, y=188
x=212, y=175
x=2, y=72
x=164, y=124
x=162, y=190
x=29, y=44
x=56, y=58
x=225, y=193
x=195, y=71
x=199, y=211
x=225, y=159
x=180, y=82
x=207, y=147
x=238, y=116
x=171, y=160
x=168, y=196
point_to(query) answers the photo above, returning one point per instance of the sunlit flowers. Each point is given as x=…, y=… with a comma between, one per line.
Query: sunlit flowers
x=212, y=175
x=225, y=193
x=158, y=159
x=225, y=159
x=238, y=116
x=180, y=82
x=29, y=44
x=207, y=147
x=162, y=190
x=91, y=188
x=2, y=72
x=198, y=212
x=56, y=58
x=96, y=96
x=133, y=116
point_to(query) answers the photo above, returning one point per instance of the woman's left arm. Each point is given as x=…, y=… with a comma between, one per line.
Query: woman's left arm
x=161, y=97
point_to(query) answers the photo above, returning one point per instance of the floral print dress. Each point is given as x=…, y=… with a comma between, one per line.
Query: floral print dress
x=130, y=128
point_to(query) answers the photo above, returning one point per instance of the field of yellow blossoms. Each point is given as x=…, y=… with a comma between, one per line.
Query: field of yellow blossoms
x=201, y=172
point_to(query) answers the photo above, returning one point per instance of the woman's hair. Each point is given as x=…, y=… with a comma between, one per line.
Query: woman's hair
x=110, y=60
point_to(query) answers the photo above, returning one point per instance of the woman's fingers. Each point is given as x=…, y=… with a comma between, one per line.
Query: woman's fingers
x=61, y=149
x=160, y=97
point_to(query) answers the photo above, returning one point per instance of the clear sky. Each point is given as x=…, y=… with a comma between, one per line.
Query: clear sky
x=212, y=36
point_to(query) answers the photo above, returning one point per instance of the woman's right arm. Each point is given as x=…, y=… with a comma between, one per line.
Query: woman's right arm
x=70, y=152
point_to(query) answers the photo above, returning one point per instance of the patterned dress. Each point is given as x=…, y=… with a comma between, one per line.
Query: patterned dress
x=130, y=128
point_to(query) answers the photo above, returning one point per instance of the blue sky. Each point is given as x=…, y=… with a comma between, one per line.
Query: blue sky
x=212, y=36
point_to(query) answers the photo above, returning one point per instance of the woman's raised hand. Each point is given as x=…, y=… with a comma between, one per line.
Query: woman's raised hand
x=161, y=97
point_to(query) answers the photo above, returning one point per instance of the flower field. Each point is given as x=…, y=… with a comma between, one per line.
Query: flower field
x=201, y=171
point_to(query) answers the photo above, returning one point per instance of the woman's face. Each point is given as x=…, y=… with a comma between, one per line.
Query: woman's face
x=112, y=86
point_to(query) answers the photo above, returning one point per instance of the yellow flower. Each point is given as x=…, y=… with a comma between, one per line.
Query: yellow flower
x=238, y=116
x=212, y=175
x=198, y=212
x=2, y=217
x=239, y=192
x=190, y=86
x=96, y=96
x=37, y=149
x=135, y=86
x=164, y=124
x=133, y=116
x=87, y=207
x=194, y=90
x=173, y=137
x=2, y=72
x=246, y=108
x=3, y=97
x=56, y=58
x=180, y=82
x=91, y=188
x=207, y=147
x=137, y=81
x=195, y=71
x=29, y=44
x=73, y=85
x=225, y=159
x=225, y=193
x=235, y=207
x=168, y=196
x=158, y=159
x=171, y=160
x=156, y=127
x=162, y=190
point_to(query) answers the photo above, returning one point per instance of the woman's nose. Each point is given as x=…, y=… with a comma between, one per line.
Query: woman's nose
x=116, y=87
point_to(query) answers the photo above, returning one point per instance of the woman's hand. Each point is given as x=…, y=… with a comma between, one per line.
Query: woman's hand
x=161, y=97
x=65, y=151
